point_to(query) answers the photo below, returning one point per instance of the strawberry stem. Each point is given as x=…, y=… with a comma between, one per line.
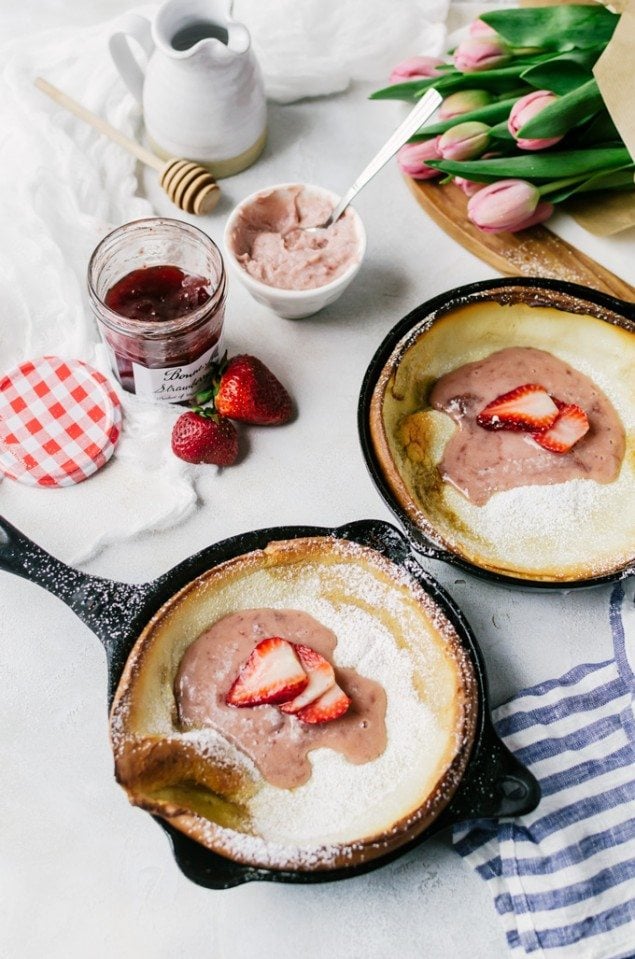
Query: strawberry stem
x=204, y=396
x=207, y=412
x=209, y=395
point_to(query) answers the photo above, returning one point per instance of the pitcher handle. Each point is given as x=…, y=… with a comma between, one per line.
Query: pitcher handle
x=139, y=29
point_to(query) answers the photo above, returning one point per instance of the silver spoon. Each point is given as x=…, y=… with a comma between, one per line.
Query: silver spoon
x=416, y=118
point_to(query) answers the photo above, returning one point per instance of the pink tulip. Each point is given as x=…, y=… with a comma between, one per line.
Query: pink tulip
x=464, y=141
x=507, y=206
x=469, y=187
x=525, y=110
x=415, y=68
x=478, y=28
x=480, y=53
x=412, y=159
x=463, y=102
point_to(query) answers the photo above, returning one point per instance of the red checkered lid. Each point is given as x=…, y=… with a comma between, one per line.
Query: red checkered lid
x=59, y=422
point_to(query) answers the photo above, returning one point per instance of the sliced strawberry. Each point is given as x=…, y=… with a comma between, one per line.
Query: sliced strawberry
x=528, y=407
x=330, y=705
x=570, y=425
x=321, y=678
x=271, y=674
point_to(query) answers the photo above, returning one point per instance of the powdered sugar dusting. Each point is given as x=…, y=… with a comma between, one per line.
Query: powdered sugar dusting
x=387, y=629
x=569, y=530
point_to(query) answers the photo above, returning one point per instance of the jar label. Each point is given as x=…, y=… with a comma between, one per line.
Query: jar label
x=174, y=384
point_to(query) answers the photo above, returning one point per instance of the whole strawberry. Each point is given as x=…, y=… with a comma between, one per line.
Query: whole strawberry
x=248, y=391
x=205, y=437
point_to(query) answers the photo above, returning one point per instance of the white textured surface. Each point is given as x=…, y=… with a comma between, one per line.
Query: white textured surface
x=81, y=872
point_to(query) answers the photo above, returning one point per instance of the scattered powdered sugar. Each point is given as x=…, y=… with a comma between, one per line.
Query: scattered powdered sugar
x=249, y=848
x=568, y=530
x=343, y=802
x=577, y=528
x=389, y=630
x=213, y=746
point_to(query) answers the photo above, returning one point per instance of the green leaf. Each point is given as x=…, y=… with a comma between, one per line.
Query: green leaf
x=537, y=167
x=620, y=179
x=499, y=80
x=501, y=132
x=563, y=73
x=490, y=114
x=601, y=129
x=409, y=90
x=559, y=117
x=563, y=27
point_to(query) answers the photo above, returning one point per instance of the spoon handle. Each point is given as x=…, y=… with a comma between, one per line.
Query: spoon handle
x=416, y=118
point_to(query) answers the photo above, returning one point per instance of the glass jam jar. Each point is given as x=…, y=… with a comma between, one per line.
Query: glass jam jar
x=165, y=358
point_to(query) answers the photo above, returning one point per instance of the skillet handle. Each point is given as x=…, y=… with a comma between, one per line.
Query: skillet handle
x=496, y=784
x=423, y=546
x=108, y=608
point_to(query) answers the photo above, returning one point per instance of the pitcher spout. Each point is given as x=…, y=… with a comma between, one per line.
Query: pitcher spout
x=200, y=29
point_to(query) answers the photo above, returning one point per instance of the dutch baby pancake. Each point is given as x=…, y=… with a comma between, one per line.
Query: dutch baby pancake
x=456, y=430
x=269, y=784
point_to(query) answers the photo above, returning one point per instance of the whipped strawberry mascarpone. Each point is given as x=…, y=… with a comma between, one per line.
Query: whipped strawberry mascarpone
x=278, y=744
x=269, y=241
x=481, y=463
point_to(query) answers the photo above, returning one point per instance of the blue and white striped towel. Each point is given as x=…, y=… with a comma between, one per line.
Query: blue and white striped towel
x=563, y=877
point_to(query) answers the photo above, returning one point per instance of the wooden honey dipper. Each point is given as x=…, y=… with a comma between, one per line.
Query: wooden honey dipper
x=189, y=185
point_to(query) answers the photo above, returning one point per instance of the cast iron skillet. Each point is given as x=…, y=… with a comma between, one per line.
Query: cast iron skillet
x=494, y=782
x=531, y=289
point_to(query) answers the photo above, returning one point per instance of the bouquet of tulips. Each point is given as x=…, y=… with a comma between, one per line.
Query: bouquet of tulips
x=522, y=125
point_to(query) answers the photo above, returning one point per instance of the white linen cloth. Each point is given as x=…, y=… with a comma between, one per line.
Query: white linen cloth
x=66, y=186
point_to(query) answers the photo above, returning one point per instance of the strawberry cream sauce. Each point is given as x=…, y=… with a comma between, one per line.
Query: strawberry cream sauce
x=269, y=242
x=278, y=744
x=479, y=462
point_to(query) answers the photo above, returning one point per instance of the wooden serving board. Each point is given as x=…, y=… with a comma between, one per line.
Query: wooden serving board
x=533, y=252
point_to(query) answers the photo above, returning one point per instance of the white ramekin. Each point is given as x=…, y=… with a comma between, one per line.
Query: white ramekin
x=293, y=304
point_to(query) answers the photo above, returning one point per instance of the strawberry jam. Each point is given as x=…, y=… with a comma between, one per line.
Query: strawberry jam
x=157, y=293
x=157, y=288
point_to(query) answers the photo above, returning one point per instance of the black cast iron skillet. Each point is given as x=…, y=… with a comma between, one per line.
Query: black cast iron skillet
x=494, y=782
x=538, y=292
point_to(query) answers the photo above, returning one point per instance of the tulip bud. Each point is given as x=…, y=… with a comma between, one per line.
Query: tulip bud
x=525, y=110
x=478, y=28
x=412, y=157
x=507, y=206
x=480, y=53
x=464, y=141
x=463, y=102
x=415, y=68
x=469, y=187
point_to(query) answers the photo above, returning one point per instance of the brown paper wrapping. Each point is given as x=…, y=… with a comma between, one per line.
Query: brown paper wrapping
x=606, y=213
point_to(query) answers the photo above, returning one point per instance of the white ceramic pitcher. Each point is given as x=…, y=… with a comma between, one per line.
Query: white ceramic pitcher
x=202, y=93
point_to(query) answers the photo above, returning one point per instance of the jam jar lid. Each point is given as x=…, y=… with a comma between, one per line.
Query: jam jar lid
x=60, y=421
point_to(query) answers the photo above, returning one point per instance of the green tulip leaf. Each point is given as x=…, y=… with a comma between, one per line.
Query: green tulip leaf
x=567, y=111
x=620, y=179
x=564, y=27
x=408, y=90
x=489, y=114
x=615, y=180
x=500, y=80
x=538, y=167
x=501, y=132
x=601, y=129
x=563, y=73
